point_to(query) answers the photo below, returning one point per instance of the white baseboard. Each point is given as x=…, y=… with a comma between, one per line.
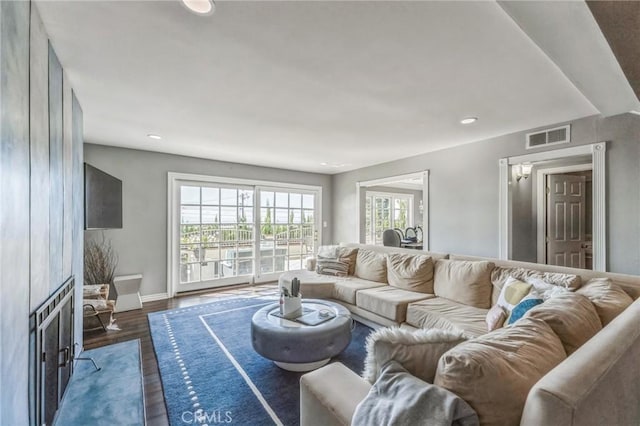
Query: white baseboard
x=154, y=297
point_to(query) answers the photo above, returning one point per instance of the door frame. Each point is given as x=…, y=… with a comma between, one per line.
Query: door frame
x=391, y=179
x=174, y=180
x=598, y=163
x=541, y=205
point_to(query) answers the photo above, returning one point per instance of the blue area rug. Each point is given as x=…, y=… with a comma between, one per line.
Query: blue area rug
x=211, y=374
x=107, y=397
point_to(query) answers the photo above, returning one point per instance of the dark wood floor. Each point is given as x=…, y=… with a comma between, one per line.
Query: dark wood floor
x=134, y=325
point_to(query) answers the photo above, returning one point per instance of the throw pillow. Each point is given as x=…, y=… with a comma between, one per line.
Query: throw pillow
x=338, y=267
x=533, y=299
x=399, y=398
x=500, y=275
x=571, y=316
x=463, y=281
x=512, y=293
x=608, y=298
x=417, y=350
x=544, y=289
x=495, y=318
x=335, y=260
x=371, y=265
x=410, y=272
x=494, y=372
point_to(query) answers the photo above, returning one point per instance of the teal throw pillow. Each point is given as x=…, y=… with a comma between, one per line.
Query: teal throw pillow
x=522, y=308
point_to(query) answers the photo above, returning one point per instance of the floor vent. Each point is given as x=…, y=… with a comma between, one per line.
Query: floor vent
x=547, y=137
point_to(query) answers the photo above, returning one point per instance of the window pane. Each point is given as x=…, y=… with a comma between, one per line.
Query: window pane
x=282, y=199
x=308, y=216
x=228, y=233
x=295, y=200
x=228, y=196
x=210, y=196
x=228, y=215
x=308, y=201
x=245, y=197
x=190, y=195
x=209, y=270
x=245, y=233
x=296, y=216
x=210, y=233
x=266, y=264
x=189, y=253
x=211, y=252
x=189, y=214
x=266, y=199
x=210, y=214
x=282, y=216
x=266, y=215
x=189, y=234
x=190, y=273
x=245, y=215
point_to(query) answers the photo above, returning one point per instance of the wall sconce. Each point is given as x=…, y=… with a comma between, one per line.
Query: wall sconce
x=522, y=171
x=421, y=207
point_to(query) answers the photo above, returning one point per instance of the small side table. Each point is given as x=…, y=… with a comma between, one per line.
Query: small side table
x=128, y=289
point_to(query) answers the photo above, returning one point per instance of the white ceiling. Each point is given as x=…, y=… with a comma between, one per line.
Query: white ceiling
x=295, y=84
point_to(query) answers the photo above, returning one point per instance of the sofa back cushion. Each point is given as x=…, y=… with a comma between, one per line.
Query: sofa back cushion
x=500, y=275
x=464, y=281
x=608, y=298
x=417, y=350
x=571, y=316
x=410, y=272
x=371, y=266
x=495, y=372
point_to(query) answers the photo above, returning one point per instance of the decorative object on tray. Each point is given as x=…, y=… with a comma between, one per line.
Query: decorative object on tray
x=291, y=300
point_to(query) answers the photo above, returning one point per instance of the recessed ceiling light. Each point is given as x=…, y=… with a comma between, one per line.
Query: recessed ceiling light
x=152, y=136
x=469, y=120
x=200, y=7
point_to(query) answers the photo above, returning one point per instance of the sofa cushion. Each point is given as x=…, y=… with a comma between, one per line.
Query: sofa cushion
x=571, y=316
x=446, y=314
x=464, y=281
x=399, y=398
x=335, y=266
x=388, y=302
x=500, y=274
x=417, y=350
x=608, y=298
x=495, y=372
x=345, y=289
x=371, y=266
x=410, y=272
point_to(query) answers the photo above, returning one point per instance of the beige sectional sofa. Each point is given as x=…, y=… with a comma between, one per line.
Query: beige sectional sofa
x=597, y=384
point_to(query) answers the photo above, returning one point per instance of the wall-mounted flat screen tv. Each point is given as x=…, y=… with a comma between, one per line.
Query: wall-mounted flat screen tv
x=102, y=199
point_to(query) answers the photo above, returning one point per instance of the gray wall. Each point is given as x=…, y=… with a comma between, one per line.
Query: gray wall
x=141, y=244
x=463, y=192
x=40, y=192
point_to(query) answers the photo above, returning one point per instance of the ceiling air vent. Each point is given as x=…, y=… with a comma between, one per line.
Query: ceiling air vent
x=549, y=137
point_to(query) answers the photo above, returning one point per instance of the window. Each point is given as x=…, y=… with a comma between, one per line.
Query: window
x=223, y=232
x=385, y=211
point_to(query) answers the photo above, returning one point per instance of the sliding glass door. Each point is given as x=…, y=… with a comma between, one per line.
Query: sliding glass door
x=229, y=233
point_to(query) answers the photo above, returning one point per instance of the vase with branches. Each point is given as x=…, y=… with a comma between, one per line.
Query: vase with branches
x=100, y=262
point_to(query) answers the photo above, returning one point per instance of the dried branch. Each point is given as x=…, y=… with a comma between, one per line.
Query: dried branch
x=100, y=262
